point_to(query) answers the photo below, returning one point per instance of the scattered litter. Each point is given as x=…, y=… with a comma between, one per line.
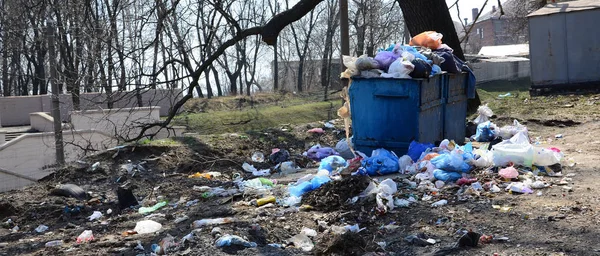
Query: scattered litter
x=420, y=239
x=440, y=203
x=209, y=222
x=502, y=208
x=558, y=136
x=258, y=157
x=316, y=130
x=146, y=210
x=302, y=241
x=147, y=226
x=85, y=236
x=228, y=240
x=249, y=168
x=96, y=215
x=308, y=232
x=54, y=243
x=41, y=228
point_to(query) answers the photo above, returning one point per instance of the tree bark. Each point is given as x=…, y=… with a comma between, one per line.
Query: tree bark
x=431, y=15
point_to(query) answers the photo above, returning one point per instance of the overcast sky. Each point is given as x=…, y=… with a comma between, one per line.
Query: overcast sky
x=467, y=5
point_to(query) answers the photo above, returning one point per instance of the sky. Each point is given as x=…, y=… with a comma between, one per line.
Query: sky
x=466, y=6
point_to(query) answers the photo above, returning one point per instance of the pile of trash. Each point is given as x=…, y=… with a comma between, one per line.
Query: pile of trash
x=424, y=57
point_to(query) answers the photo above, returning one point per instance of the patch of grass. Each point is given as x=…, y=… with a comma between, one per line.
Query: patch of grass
x=256, y=119
x=521, y=105
x=161, y=142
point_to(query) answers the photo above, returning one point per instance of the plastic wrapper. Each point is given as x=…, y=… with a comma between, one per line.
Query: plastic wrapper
x=314, y=183
x=508, y=173
x=343, y=148
x=511, y=130
x=429, y=39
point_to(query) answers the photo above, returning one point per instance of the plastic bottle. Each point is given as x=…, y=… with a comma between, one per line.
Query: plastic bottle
x=265, y=200
x=54, y=243
x=207, y=222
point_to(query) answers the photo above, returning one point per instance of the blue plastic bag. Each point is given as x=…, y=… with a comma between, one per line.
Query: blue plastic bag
x=485, y=133
x=332, y=163
x=446, y=176
x=307, y=186
x=451, y=162
x=415, y=149
x=381, y=162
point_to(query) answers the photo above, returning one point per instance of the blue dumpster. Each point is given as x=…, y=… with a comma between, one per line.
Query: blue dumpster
x=455, y=111
x=390, y=113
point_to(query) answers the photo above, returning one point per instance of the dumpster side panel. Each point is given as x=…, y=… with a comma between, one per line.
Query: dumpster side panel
x=431, y=111
x=456, y=107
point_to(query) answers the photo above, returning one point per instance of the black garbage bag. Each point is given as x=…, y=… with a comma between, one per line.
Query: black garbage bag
x=422, y=69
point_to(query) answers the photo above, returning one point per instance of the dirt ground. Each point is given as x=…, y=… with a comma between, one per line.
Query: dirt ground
x=559, y=221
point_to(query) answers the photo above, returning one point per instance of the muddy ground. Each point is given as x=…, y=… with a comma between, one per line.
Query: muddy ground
x=558, y=222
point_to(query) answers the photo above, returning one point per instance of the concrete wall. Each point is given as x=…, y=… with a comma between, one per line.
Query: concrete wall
x=122, y=123
x=41, y=122
x=500, y=69
x=22, y=160
x=14, y=111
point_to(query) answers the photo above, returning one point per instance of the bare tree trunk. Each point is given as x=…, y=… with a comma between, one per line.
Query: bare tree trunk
x=217, y=81
x=58, y=138
x=275, y=68
x=431, y=15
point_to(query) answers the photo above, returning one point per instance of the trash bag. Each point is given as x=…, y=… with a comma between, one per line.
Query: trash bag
x=279, y=155
x=451, y=162
x=435, y=69
x=351, y=70
x=317, y=152
x=343, y=148
x=306, y=186
x=399, y=69
x=385, y=59
x=446, y=176
x=518, y=154
x=422, y=69
x=404, y=163
x=546, y=157
x=485, y=132
x=484, y=113
x=365, y=62
x=333, y=164
x=429, y=39
x=508, y=131
x=449, y=65
x=415, y=149
x=381, y=162
x=508, y=173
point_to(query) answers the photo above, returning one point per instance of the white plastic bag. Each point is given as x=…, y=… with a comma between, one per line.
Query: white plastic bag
x=519, y=154
x=485, y=113
x=405, y=162
x=546, y=157
x=399, y=69
x=365, y=62
x=509, y=131
x=351, y=70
